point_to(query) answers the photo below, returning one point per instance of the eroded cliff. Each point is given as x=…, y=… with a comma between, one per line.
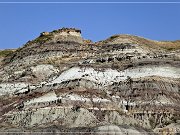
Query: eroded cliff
x=62, y=83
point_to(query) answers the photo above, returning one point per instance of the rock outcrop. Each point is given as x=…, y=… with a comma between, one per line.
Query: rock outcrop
x=60, y=82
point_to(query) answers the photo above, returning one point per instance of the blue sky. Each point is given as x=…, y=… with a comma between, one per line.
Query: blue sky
x=22, y=22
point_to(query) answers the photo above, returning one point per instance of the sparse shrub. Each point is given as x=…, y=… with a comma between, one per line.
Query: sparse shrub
x=152, y=122
x=114, y=36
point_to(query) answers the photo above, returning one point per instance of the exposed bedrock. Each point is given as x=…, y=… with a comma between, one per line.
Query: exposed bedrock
x=60, y=82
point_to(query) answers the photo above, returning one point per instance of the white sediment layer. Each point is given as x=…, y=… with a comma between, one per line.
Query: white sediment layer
x=108, y=76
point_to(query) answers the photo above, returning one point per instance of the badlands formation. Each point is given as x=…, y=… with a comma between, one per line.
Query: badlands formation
x=62, y=83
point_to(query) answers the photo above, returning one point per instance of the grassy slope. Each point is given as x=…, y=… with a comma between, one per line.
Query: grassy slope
x=167, y=45
x=4, y=53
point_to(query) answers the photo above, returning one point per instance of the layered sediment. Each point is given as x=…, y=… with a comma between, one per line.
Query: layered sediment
x=61, y=82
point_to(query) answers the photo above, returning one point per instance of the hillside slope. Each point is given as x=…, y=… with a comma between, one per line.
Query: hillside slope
x=60, y=82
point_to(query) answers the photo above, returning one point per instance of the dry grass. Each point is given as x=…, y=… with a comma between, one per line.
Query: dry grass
x=167, y=45
x=60, y=60
x=4, y=53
